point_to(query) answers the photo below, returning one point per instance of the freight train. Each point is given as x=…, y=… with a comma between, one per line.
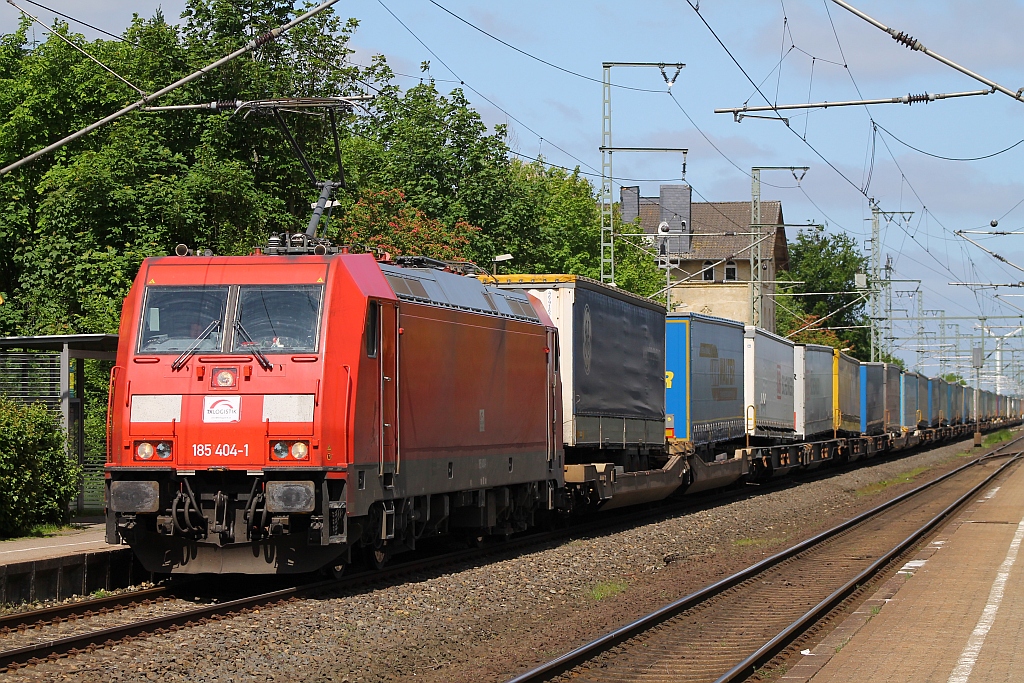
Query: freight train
x=286, y=411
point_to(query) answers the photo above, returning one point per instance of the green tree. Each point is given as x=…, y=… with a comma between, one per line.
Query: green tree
x=37, y=475
x=822, y=266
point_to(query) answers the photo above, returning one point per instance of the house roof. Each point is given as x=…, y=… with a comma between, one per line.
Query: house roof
x=711, y=221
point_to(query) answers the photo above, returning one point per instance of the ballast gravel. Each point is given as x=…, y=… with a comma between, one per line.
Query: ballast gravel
x=488, y=622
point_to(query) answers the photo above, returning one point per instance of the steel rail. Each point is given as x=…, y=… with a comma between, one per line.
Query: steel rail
x=749, y=665
x=108, y=636
x=590, y=650
x=46, y=615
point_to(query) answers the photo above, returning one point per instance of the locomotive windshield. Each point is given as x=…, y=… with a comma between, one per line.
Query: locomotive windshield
x=278, y=318
x=173, y=318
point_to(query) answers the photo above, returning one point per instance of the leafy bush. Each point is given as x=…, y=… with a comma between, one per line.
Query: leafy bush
x=38, y=477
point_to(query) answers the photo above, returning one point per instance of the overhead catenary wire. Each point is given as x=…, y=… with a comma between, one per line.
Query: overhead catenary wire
x=109, y=34
x=533, y=56
x=71, y=43
x=463, y=82
x=256, y=42
x=908, y=41
x=948, y=158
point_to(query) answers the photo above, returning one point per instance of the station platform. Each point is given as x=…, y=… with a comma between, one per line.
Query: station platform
x=87, y=535
x=76, y=561
x=952, y=614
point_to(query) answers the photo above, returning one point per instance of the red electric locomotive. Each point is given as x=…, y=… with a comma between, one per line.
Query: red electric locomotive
x=273, y=413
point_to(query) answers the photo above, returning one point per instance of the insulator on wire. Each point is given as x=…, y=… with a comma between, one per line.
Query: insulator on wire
x=265, y=38
x=911, y=98
x=907, y=40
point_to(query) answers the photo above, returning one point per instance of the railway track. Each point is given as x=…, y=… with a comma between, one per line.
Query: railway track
x=730, y=629
x=65, y=630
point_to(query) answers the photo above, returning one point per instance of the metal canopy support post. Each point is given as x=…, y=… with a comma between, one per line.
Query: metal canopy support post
x=65, y=393
x=65, y=388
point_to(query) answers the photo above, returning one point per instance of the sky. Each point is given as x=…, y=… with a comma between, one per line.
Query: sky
x=796, y=51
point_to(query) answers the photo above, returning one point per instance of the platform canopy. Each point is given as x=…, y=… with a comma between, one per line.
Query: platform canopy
x=98, y=346
x=40, y=369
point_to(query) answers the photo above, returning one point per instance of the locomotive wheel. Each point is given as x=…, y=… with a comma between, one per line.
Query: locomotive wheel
x=379, y=557
x=336, y=571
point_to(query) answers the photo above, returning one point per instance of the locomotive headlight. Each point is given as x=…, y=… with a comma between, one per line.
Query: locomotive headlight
x=300, y=450
x=224, y=378
x=163, y=450
x=144, y=451
x=280, y=451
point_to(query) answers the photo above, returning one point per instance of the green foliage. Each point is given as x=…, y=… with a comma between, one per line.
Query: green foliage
x=884, y=357
x=792, y=321
x=954, y=378
x=386, y=222
x=37, y=475
x=825, y=263
x=997, y=437
x=424, y=173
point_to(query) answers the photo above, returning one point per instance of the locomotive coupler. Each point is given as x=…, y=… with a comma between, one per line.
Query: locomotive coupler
x=125, y=523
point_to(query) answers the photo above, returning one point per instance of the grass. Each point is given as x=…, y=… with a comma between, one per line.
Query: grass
x=607, y=589
x=997, y=437
x=902, y=478
x=44, y=530
x=41, y=531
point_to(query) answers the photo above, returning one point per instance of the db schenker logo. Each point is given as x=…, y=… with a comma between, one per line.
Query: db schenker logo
x=221, y=408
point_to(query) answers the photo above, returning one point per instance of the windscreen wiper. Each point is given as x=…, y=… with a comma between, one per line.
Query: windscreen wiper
x=250, y=345
x=183, y=358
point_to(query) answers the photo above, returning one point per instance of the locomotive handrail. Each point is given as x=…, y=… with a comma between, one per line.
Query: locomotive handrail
x=110, y=412
x=348, y=396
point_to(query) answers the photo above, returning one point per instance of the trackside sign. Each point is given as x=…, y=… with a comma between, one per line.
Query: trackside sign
x=221, y=408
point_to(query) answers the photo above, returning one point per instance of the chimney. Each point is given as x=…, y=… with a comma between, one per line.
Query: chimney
x=629, y=203
x=675, y=211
